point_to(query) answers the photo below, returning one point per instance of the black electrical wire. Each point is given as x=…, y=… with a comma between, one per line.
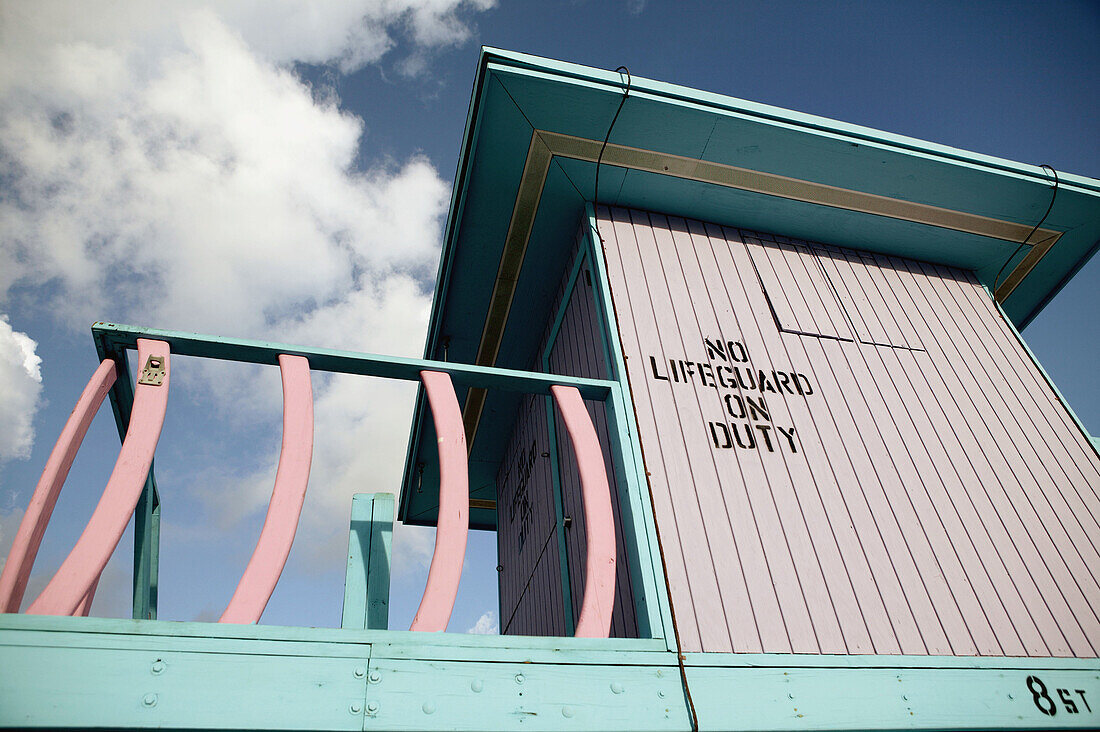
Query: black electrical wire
x=626, y=91
x=660, y=546
x=1053, y=196
x=672, y=613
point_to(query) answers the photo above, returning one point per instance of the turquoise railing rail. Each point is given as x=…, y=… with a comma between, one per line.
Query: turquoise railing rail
x=139, y=409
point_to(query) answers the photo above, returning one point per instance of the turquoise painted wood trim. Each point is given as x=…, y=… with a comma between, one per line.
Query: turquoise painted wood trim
x=457, y=207
x=413, y=695
x=98, y=633
x=379, y=563
x=826, y=661
x=645, y=568
x=354, y=611
x=146, y=575
x=160, y=674
x=201, y=689
x=640, y=652
x=511, y=62
x=1025, y=321
x=563, y=307
x=412, y=447
x=1050, y=382
x=120, y=337
x=520, y=646
x=443, y=273
x=642, y=601
x=122, y=392
x=552, y=434
x=645, y=608
x=904, y=698
x=367, y=578
x=559, y=518
x=145, y=688
x=604, y=321
x=647, y=572
x=45, y=630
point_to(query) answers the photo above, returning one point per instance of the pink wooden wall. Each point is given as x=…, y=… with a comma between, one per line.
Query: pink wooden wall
x=530, y=579
x=579, y=351
x=527, y=543
x=873, y=466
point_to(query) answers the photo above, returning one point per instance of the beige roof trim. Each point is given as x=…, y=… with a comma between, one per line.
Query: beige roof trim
x=545, y=145
x=511, y=262
x=793, y=188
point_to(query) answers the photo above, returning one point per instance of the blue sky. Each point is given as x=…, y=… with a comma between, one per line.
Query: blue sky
x=266, y=171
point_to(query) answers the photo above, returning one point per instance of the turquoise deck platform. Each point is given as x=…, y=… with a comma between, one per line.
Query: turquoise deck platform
x=138, y=674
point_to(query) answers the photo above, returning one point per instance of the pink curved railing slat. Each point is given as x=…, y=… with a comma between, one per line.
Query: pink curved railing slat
x=453, y=523
x=295, y=457
x=21, y=556
x=599, y=579
x=81, y=569
x=85, y=605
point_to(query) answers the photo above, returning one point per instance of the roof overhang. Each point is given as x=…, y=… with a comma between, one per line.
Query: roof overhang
x=527, y=169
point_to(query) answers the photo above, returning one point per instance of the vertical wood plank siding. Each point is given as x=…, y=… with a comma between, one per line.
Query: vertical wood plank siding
x=578, y=350
x=531, y=581
x=527, y=543
x=849, y=453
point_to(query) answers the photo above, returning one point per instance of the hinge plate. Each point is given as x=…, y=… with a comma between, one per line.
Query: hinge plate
x=153, y=372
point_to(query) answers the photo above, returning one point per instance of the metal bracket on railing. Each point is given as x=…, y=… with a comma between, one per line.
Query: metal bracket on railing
x=153, y=372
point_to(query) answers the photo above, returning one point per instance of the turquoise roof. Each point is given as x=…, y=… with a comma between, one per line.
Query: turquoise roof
x=711, y=157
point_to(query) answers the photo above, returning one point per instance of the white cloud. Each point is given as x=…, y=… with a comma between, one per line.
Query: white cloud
x=486, y=625
x=20, y=389
x=349, y=33
x=203, y=187
x=362, y=424
x=161, y=164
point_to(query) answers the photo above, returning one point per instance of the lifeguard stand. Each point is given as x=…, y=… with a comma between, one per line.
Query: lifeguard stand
x=751, y=418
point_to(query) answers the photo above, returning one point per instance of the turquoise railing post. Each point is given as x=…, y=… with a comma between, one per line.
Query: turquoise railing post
x=147, y=513
x=367, y=582
x=146, y=550
x=71, y=586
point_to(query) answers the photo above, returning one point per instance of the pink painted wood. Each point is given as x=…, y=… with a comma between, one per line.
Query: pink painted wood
x=578, y=351
x=937, y=499
x=86, y=561
x=530, y=578
x=85, y=605
x=17, y=569
x=599, y=581
x=454, y=505
x=273, y=547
